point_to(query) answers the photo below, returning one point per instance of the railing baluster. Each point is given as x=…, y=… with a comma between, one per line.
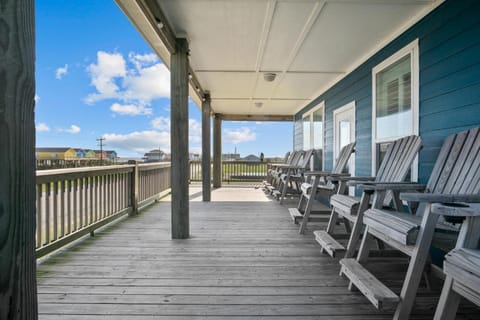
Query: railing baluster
x=39, y=214
x=47, y=213
x=55, y=210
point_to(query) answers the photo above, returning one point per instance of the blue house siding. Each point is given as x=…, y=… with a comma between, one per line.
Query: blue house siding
x=449, y=96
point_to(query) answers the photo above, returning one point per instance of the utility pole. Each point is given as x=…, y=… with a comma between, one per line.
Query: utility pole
x=101, y=144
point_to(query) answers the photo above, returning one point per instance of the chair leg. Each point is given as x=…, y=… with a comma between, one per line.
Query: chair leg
x=308, y=208
x=448, y=304
x=416, y=265
x=332, y=221
x=354, y=237
x=285, y=187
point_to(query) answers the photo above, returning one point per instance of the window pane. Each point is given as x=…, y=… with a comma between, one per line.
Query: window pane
x=306, y=133
x=318, y=129
x=393, y=100
x=344, y=133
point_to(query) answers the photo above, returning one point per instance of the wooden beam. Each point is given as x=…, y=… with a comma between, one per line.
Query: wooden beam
x=217, y=151
x=206, y=188
x=179, y=140
x=18, y=290
x=255, y=117
x=157, y=18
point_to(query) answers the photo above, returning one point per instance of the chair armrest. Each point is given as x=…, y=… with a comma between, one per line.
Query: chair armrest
x=456, y=209
x=394, y=186
x=440, y=197
x=289, y=166
x=325, y=174
x=355, y=180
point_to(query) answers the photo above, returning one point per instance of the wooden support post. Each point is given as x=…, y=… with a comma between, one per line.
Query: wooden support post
x=206, y=183
x=179, y=140
x=217, y=151
x=134, y=196
x=18, y=290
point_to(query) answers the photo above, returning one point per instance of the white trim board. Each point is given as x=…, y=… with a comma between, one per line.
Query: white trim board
x=412, y=50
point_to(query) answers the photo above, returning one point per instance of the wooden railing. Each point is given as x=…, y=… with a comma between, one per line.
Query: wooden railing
x=74, y=202
x=233, y=171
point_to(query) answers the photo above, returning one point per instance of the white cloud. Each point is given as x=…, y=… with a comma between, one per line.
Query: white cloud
x=42, y=127
x=194, y=130
x=143, y=141
x=139, y=81
x=61, y=72
x=104, y=74
x=139, y=141
x=161, y=123
x=243, y=134
x=73, y=129
x=140, y=60
x=130, y=109
x=37, y=98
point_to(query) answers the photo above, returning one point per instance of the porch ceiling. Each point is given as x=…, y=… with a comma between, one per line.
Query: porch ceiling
x=308, y=44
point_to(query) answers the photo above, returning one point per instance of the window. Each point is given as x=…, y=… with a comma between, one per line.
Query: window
x=395, y=102
x=313, y=134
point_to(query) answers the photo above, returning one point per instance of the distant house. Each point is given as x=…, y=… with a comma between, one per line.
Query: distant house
x=111, y=154
x=252, y=158
x=230, y=156
x=154, y=155
x=194, y=156
x=90, y=154
x=81, y=153
x=55, y=153
x=100, y=154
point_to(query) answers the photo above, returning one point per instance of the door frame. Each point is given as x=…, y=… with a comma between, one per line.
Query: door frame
x=309, y=114
x=349, y=107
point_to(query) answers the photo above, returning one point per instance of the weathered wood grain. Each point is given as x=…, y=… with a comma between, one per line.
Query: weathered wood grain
x=179, y=140
x=17, y=161
x=206, y=168
x=244, y=260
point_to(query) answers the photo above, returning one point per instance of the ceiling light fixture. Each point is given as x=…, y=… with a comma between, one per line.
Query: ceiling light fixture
x=269, y=76
x=160, y=24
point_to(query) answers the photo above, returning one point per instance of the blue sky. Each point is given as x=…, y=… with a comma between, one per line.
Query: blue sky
x=97, y=77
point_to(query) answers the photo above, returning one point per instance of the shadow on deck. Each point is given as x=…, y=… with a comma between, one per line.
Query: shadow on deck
x=245, y=259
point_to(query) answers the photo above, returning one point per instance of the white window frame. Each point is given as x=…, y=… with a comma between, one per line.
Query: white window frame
x=312, y=131
x=412, y=50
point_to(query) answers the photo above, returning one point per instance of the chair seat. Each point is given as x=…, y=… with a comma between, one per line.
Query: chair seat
x=345, y=205
x=467, y=260
x=398, y=226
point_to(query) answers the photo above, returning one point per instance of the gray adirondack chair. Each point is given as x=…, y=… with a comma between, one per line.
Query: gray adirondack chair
x=455, y=177
x=462, y=264
x=271, y=168
x=319, y=184
x=279, y=169
x=292, y=177
x=394, y=168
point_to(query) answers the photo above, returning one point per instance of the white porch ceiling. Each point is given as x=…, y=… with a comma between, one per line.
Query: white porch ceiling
x=309, y=44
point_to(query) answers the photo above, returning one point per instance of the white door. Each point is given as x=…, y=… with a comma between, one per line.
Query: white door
x=344, y=133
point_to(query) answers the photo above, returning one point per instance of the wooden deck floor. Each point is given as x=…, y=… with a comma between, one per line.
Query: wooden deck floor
x=245, y=260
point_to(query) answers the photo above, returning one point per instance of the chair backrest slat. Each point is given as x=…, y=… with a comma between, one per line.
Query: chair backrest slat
x=457, y=169
x=398, y=159
x=343, y=157
x=306, y=158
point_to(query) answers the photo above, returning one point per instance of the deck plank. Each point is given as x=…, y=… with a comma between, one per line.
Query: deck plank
x=244, y=259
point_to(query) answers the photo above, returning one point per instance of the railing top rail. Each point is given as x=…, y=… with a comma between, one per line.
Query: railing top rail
x=153, y=165
x=44, y=176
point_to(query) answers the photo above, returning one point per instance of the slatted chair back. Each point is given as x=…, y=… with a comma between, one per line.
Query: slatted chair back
x=457, y=169
x=305, y=161
x=397, y=161
x=296, y=158
x=287, y=157
x=343, y=158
